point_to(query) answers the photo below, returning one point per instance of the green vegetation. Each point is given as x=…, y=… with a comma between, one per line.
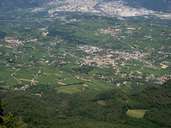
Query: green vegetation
x=10, y=121
x=46, y=80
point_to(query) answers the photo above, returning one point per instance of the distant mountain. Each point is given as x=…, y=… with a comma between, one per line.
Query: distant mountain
x=123, y=8
x=12, y=4
x=156, y=5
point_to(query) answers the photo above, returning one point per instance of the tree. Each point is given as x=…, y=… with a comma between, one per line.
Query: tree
x=9, y=120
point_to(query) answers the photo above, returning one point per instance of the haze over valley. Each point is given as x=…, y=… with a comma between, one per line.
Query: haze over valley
x=85, y=63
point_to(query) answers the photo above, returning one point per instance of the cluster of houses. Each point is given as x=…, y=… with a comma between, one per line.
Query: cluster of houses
x=101, y=7
x=112, y=31
x=13, y=41
x=107, y=57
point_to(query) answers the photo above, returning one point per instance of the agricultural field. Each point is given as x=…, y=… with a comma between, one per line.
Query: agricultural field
x=81, y=70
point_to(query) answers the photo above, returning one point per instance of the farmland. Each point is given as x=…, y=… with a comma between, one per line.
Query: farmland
x=81, y=70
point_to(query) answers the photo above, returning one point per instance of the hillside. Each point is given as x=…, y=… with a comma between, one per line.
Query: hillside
x=155, y=5
x=15, y=4
x=85, y=64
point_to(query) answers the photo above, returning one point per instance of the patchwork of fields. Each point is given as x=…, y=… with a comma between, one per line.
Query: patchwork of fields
x=81, y=70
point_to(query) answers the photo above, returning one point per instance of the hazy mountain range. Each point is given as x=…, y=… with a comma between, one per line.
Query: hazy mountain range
x=121, y=8
x=157, y=5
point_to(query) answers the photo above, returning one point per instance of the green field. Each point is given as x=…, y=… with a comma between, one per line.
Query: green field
x=45, y=83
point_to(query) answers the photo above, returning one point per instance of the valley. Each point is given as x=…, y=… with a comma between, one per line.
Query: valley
x=89, y=64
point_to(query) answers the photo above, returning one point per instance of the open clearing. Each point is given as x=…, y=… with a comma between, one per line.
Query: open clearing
x=136, y=113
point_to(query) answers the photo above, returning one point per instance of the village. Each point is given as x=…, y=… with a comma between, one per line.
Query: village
x=110, y=8
x=114, y=32
x=106, y=58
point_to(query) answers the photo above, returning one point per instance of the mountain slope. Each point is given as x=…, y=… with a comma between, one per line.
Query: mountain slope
x=156, y=5
x=123, y=8
x=11, y=4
